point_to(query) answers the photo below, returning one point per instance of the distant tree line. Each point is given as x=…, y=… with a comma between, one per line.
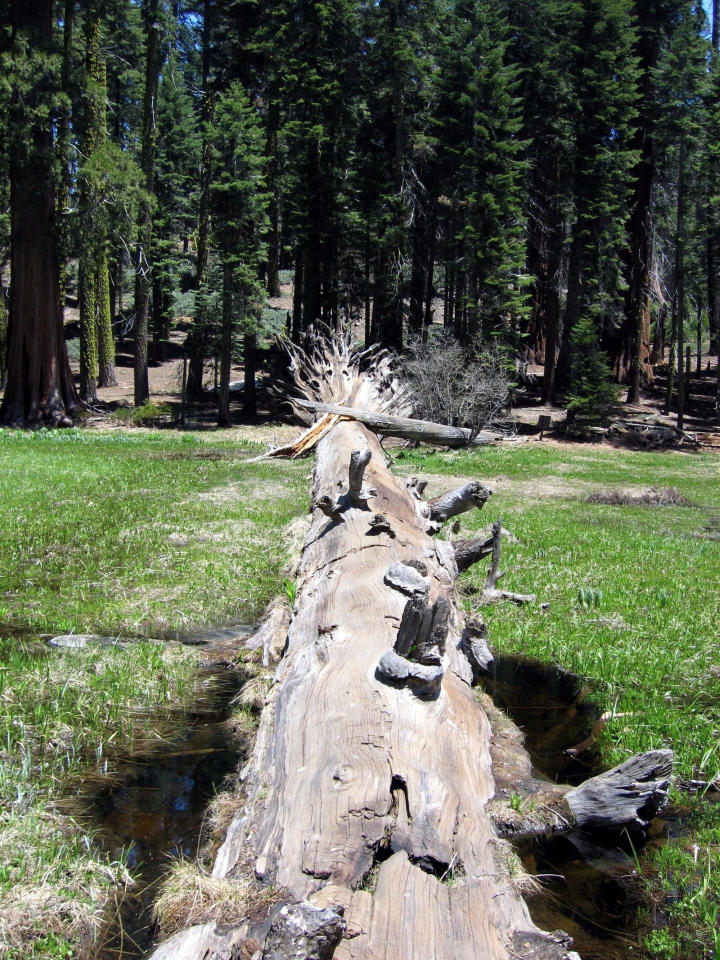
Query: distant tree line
x=537, y=172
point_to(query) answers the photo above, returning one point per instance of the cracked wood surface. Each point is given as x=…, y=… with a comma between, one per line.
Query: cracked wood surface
x=348, y=770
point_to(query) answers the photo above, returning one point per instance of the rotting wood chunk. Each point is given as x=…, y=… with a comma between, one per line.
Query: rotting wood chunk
x=331, y=508
x=626, y=797
x=300, y=931
x=419, y=648
x=379, y=523
x=407, y=579
x=474, y=646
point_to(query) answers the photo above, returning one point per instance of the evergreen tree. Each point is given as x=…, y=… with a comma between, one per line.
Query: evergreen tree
x=482, y=171
x=603, y=162
x=176, y=193
x=683, y=94
x=593, y=398
x=239, y=224
x=548, y=47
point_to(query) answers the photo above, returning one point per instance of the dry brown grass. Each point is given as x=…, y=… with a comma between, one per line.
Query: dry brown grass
x=190, y=895
x=254, y=691
x=650, y=497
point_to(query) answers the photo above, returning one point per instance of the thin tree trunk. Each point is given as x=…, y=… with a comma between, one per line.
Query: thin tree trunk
x=88, y=203
x=713, y=239
x=250, y=352
x=297, y=319
x=106, y=344
x=63, y=148
x=195, y=343
x=226, y=348
x=147, y=163
x=273, y=263
x=103, y=315
x=368, y=332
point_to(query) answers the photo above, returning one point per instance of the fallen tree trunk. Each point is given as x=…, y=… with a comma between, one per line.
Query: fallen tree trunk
x=362, y=781
x=406, y=428
x=367, y=793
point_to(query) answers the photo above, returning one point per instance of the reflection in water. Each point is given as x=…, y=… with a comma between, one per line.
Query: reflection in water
x=153, y=806
x=590, y=891
x=552, y=709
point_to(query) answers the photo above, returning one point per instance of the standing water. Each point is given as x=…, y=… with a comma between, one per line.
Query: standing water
x=152, y=807
x=590, y=891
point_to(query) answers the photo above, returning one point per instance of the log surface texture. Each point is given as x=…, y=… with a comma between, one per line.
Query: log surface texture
x=361, y=792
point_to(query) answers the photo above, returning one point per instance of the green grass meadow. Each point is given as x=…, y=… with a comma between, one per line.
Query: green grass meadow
x=132, y=535
x=634, y=606
x=147, y=535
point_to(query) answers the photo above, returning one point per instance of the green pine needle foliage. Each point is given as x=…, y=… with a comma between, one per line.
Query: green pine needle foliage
x=593, y=397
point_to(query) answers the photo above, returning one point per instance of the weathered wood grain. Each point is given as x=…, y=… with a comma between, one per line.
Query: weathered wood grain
x=349, y=770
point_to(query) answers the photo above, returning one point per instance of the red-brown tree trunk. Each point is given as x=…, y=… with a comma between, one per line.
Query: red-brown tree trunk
x=39, y=387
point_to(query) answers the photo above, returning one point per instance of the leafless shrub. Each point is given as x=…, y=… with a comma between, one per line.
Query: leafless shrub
x=458, y=386
x=653, y=497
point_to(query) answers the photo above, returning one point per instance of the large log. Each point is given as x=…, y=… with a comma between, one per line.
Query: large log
x=359, y=790
x=406, y=428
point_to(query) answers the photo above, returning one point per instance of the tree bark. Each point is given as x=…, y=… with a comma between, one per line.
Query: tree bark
x=40, y=386
x=147, y=163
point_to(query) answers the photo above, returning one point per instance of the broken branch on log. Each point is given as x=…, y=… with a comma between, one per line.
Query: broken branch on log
x=472, y=494
x=494, y=574
x=359, y=459
x=468, y=552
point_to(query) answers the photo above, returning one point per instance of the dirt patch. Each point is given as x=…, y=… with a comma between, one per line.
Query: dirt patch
x=550, y=487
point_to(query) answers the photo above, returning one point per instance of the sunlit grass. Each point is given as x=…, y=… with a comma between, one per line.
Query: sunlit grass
x=634, y=606
x=140, y=534
x=121, y=535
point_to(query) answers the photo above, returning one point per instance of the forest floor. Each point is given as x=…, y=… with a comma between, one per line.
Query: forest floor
x=701, y=417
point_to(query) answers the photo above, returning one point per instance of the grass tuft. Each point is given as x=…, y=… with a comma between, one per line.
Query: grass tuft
x=654, y=497
x=190, y=895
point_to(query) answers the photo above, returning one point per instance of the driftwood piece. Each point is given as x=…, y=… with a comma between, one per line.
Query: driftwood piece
x=626, y=797
x=650, y=434
x=407, y=428
x=450, y=504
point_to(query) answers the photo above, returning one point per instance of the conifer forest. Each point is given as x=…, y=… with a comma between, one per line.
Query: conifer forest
x=541, y=174
x=360, y=445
